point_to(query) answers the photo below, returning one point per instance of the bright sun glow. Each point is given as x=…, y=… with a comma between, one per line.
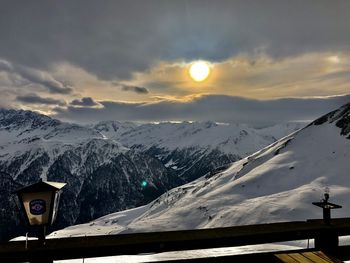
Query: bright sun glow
x=199, y=71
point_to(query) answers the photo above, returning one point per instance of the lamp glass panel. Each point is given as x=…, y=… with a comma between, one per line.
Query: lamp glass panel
x=37, y=207
x=55, y=206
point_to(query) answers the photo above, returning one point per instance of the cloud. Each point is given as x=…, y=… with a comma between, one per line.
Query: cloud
x=86, y=102
x=35, y=77
x=5, y=66
x=262, y=77
x=139, y=90
x=210, y=107
x=46, y=80
x=35, y=99
x=124, y=37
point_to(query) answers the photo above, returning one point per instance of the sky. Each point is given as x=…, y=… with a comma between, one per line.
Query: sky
x=86, y=60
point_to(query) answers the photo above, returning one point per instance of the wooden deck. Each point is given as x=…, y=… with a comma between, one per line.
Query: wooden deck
x=307, y=257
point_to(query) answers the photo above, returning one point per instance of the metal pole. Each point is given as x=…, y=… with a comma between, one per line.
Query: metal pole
x=327, y=215
x=42, y=258
x=42, y=234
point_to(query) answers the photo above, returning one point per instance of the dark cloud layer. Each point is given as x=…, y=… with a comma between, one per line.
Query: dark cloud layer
x=52, y=85
x=140, y=90
x=86, y=102
x=115, y=38
x=35, y=99
x=215, y=108
x=36, y=77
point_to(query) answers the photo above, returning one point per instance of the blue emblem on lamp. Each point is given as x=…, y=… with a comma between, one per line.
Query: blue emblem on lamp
x=37, y=207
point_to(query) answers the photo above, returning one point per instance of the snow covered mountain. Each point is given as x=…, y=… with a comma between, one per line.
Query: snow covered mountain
x=277, y=183
x=114, y=166
x=193, y=149
x=102, y=175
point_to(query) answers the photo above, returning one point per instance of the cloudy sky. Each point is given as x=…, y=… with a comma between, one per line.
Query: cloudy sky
x=129, y=60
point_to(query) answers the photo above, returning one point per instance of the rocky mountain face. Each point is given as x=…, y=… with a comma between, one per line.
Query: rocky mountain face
x=277, y=183
x=10, y=215
x=112, y=166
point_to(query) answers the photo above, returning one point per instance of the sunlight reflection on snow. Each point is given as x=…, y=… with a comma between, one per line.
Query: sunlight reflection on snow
x=186, y=254
x=290, y=245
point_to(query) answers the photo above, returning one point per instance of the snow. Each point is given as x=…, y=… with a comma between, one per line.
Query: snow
x=228, y=138
x=24, y=132
x=113, y=129
x=110, y=224
x=203, y=253
x=276, y=184
x=170, y=163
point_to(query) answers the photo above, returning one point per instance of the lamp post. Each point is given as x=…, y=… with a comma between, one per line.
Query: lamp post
x=39, y=203
x=327, y=240
x=326, y=206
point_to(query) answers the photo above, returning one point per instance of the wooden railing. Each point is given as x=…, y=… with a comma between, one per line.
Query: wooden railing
x=326, y=239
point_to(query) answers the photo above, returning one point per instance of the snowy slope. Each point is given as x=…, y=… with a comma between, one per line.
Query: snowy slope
x=277, y=183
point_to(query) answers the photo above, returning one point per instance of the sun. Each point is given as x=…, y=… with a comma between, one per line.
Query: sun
x=199, y=71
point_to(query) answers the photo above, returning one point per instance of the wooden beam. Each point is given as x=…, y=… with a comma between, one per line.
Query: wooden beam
x=132, y=244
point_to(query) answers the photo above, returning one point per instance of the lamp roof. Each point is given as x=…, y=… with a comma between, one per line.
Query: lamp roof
x=41, y=186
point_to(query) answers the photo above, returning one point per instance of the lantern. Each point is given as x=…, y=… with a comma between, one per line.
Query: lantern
x=39, y=202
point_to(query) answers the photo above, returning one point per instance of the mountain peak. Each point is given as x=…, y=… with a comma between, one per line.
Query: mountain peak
x=15, y=119
x=341, y=117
